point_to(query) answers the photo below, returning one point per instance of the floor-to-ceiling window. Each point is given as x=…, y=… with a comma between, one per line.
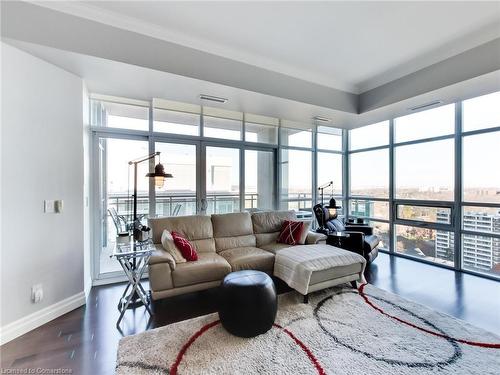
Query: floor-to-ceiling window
x=296, y=166
x=329, y=164
x=369, y=177
x=424, y=184
x=480, y=207
x=430, y=184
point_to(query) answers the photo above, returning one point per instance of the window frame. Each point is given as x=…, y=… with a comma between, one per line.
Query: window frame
x=456, y=205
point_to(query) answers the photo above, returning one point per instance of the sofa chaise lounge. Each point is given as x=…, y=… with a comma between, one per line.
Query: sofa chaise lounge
x=226, y=243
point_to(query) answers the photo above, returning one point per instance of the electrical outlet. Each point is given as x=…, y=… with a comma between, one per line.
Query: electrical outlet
x=36, y=293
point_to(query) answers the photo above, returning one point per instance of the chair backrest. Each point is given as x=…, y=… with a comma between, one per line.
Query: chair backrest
x=326, y=220
x=319, y=214
x=116, y=219
x=335, y=225
x=176, y=210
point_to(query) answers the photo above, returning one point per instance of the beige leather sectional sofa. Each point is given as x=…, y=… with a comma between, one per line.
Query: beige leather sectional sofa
x=224, y=243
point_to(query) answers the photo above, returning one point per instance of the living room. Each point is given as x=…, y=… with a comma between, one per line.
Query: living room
x=250, y=187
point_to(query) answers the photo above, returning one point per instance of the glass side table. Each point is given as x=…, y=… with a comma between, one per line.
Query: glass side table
x=134, y=258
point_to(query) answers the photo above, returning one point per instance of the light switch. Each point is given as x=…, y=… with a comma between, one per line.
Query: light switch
x=53, y=206
x=48, y=206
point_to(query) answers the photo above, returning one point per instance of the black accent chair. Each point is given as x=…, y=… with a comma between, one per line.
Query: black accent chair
x=361, y=238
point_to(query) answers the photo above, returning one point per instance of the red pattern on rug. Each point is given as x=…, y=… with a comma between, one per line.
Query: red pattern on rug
x=467, y=342
x=185, y=347
x=311, y=356
x=202, y=330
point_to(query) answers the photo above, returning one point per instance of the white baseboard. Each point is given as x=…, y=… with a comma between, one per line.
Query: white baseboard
x=87, y=287
x=38, y=318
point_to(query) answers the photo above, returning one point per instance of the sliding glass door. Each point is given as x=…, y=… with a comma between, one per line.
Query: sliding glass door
x=222, y=180
x=218, y=165
x=259, y=180
x=115, y=189
x=179, y=196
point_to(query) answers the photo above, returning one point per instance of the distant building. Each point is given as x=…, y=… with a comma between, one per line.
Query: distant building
x=479, y=252
x=361, y=208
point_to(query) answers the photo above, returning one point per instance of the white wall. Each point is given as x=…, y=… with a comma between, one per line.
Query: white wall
x=42, y=158
x=87, y=259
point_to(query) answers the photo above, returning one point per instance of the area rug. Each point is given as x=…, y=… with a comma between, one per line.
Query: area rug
x=341, y=331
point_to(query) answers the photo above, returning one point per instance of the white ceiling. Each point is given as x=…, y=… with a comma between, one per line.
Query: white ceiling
x=353, y=46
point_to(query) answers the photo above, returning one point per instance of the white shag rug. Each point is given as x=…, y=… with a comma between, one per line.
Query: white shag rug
x=338, y=332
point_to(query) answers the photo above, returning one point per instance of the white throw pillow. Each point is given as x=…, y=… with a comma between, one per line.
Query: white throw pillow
x=167, y=241
x=305, y=231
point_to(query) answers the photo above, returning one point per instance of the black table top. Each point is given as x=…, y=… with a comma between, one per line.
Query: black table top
x=338, y=234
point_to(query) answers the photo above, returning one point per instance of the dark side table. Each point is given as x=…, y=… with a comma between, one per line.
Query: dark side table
x=337, y=239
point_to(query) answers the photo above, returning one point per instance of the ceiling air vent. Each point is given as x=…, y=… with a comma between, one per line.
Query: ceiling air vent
x=322, y=119
x=426, y=105
x=213, y=98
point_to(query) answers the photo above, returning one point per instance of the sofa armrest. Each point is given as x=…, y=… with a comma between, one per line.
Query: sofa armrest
x=161, y=256
x=355, y=241
x=314, y=237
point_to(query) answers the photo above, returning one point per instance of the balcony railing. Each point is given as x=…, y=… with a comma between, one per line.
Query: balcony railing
x=177, y=204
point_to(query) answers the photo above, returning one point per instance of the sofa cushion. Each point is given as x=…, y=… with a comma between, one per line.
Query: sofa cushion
x=305, y=231
x=208, y=267
x=168, y=244
x=249, y=258
x=273, y=247
x=197, y=229
x=225, y=243
x=206, y=245
x=232, y=225
x=233, y=230
x=266, y=238
x=291, y=232
x=270, y=221
x=186, y=248
x=335, y=273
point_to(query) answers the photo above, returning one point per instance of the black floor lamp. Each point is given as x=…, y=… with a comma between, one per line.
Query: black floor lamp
x=323, y=187
x=159, y=175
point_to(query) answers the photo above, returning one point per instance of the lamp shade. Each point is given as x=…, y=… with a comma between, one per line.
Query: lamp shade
x=332, y=208
x=333, y=204
x=159, y=175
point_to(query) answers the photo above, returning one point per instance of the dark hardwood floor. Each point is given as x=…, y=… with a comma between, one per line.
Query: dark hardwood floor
x=85, y=340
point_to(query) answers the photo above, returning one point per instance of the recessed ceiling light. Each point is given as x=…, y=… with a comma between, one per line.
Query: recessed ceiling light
x=213, y=98
x=422, y=106
x=322, y=119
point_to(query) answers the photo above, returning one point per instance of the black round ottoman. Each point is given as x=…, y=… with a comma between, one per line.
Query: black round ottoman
x=248, y=303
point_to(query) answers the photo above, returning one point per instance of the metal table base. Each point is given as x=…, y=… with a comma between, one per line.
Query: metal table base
x=134, y=275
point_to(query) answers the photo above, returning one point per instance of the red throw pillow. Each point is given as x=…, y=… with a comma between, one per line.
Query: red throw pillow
x=291, y=232
x=186, y=247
